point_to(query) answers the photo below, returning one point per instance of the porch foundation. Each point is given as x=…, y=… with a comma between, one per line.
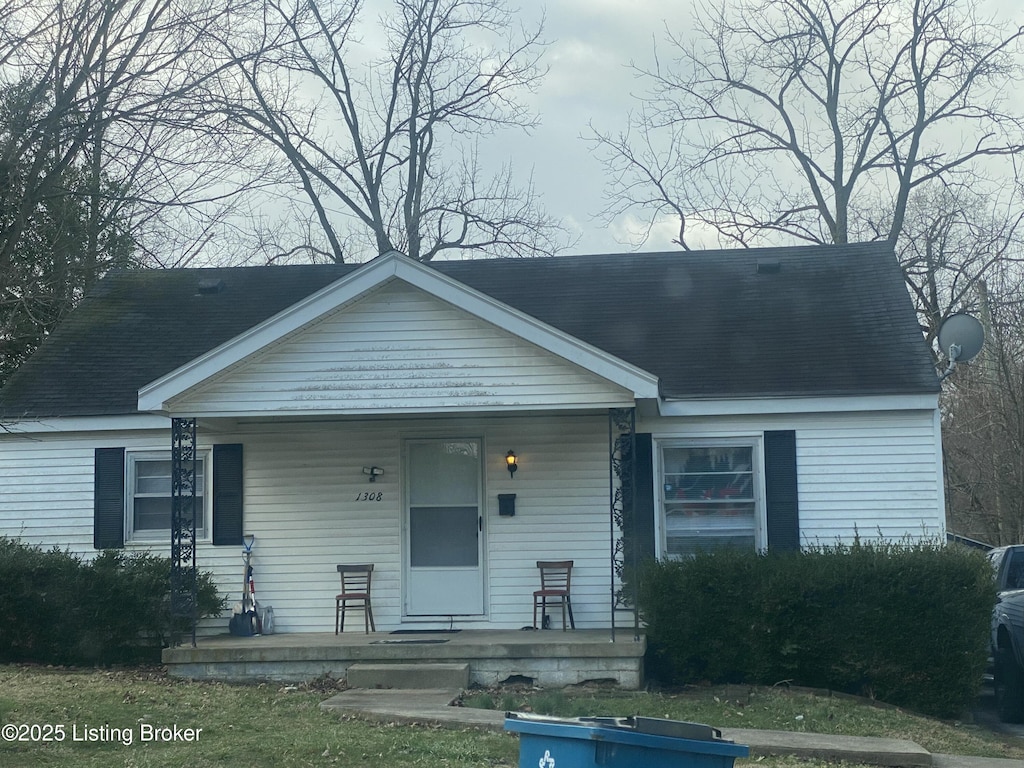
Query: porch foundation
x=548, y=657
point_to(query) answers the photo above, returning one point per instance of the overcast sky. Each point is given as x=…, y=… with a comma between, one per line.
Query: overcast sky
x=591, y=46
x=592, y=43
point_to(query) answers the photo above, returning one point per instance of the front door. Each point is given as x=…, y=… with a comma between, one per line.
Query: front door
x=444, y=529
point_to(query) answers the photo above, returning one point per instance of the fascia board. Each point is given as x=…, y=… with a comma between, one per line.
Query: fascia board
x=154, y=396
x=454, y=410
x=127, y=423
x=825, y=404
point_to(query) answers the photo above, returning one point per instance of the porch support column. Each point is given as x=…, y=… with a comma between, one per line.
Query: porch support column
x=184, y=602
x=622, y=520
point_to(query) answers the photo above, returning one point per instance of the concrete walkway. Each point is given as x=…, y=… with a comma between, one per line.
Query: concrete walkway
x=431, y=707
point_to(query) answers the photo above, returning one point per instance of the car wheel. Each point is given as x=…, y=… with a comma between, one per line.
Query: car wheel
x=1009, y=683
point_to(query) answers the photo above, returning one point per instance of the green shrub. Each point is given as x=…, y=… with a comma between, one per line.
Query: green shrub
x=128, y=600
x=39, y=605
x=59, y=609
x=906, y=624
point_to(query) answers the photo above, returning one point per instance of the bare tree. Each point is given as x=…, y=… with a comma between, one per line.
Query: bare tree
x=983, y=423
x=384, y=149
x=108, y=157
x=799, y=120
x=953, y=241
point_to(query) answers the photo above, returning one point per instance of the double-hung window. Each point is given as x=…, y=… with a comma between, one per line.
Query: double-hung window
x=149, y=496
x=710, y=497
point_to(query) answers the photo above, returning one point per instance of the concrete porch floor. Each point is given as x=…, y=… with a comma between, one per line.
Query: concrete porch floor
x=550, y=657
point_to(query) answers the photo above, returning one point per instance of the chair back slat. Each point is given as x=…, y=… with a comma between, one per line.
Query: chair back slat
x=355, y=579
x=555, y=574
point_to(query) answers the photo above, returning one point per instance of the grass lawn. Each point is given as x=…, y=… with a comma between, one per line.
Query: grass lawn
x=257, y=725
x=88, y=716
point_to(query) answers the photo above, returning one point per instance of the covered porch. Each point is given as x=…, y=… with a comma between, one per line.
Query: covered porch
x=371, y=423
x=550, y=658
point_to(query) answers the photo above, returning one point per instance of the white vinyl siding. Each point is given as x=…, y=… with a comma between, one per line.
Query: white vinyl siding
x=859, y=473
x=304, y=489
x=872, y=474
x=400, y=349
x=871, y=477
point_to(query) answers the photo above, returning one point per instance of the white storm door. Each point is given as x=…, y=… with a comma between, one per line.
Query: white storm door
x=444, y=525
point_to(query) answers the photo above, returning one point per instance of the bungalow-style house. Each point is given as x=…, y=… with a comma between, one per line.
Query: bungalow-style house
x=369, y=413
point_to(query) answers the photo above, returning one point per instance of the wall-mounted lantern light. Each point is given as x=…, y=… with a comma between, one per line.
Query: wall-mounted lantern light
x=373, y=472
x=510, y=460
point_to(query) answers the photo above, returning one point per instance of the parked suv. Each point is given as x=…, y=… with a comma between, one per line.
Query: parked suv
x=1007, y=642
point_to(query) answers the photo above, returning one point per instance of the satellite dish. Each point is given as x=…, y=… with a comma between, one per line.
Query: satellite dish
x=961, y=337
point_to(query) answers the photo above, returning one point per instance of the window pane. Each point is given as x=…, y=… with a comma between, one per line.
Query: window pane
x=152, y=514
x=709, y=473
x=151, y=499
x=443, y=537
x=153, y=477
x=709, y=499
x=690, y=527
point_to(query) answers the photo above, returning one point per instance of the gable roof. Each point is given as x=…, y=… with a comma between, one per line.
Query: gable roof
x=820, y=320
x=367, y=278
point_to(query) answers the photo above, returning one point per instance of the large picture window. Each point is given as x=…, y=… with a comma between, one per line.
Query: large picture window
x=149, y=496
x=710, y=498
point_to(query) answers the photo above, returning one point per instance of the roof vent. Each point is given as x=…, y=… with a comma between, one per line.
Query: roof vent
x=768, y=266
x=211, y=285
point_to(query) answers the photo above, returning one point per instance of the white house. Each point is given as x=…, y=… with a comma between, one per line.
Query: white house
x=771, y=398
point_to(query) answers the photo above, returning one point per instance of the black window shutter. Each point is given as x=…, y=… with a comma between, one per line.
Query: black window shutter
x=781, y=490
x=227, y=494
x=639, y=527
x=108, y=499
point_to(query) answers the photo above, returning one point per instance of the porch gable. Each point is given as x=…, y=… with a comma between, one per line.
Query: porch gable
x=395, y=336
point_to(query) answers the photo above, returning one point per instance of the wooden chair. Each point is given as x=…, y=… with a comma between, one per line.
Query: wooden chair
x=555, y=584
x=355, y=589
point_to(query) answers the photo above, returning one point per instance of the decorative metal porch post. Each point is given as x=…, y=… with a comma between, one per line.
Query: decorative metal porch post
x=184, y=583
x=622, y=520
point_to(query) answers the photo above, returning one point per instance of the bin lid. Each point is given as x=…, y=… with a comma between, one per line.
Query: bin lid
x=657, y=726
x=653, y=726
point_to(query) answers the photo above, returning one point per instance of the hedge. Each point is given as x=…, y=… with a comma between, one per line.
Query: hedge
x=59, y=609
x=905, y=624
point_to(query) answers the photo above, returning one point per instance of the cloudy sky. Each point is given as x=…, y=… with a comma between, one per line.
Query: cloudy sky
x=592, y=44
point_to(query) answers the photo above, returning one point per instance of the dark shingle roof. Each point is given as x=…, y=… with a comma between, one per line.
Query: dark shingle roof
x=832, y=320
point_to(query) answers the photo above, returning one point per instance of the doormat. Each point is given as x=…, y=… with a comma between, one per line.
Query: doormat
x=423, y=631
x=408, y=642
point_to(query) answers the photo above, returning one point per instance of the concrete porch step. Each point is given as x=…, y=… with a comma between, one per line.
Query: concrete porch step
x=409, y=675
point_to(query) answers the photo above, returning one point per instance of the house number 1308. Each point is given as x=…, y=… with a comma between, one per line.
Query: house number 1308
x=370, y=496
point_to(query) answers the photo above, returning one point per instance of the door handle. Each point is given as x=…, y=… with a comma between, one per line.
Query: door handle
x=480, y=523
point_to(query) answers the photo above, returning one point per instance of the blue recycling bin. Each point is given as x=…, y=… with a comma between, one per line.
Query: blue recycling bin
x=629, y=742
